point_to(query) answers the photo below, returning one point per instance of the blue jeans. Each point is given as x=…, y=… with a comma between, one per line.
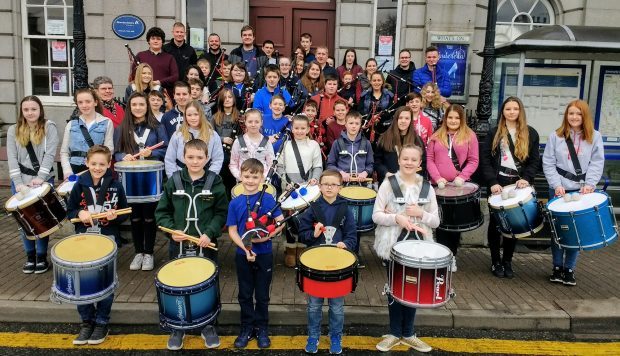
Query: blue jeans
x=98, y=313
x=254, y=280
x=315, y=315
x=402, y=317
x=37, y=246
x=562, y=257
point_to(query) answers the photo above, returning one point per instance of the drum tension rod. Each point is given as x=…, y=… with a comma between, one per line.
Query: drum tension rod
x=572, y=215
x=600, y=223
x=527, y=221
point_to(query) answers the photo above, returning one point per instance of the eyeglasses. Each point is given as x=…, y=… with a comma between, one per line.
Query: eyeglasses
x=330, y=185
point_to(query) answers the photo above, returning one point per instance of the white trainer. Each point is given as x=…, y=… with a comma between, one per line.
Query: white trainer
x=416, y=344
x=148, y=264
x=388, y=342
x=136, y=263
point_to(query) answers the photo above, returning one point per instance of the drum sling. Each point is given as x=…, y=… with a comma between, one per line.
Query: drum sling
x=33, y=160
x=87, y=138
x=452, y=155
x=400, y=199
x=300, y=163
x=579, y=177
x=244, y=146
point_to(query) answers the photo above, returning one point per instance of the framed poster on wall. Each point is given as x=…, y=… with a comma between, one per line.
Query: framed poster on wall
x=454, y=59
x=607, y=117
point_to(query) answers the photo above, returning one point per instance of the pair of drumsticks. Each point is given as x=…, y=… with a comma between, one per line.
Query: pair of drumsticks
x=104, y=214
x=193, y=239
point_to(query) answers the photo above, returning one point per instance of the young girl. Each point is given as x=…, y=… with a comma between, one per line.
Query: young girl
x=337, y=126
x=363, y=80
x=299, y=67
x=142, y=82
x=194, y=126
x=390, y=143
x=577, y=129
x=452, y=156
x=226, y=124
x=252, y=144
x=421, y=123
x=431, y=101
x=32, y=133
x=349, y=64
x=241, y=86
x=138, y=131
x=375, y=100
x=90, y=128
x=391, y=218
x=311, y=82
x=194, y=72
x=509, y=156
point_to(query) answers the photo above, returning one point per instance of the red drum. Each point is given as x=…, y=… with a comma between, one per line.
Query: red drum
x=420, y=274
x=39, y=213
x=327, y=271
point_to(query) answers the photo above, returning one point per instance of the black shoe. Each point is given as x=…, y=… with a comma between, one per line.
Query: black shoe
x=86, y=331
x=29, y=266
x=498, y=270
x=508, y=273
x=569, y=278
x=244, y=337
x=99, y=334
x=557, y=276
x=42, y=266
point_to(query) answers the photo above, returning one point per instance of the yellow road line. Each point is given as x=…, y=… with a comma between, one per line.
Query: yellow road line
x=193, y=342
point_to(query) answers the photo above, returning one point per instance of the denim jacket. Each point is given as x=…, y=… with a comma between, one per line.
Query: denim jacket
x=101, y=132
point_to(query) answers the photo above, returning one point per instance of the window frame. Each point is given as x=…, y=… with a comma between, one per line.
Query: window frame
x=531, y=25
x=397, y=48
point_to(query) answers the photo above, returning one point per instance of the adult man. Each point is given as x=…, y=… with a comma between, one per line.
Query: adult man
x=165, y=69
x=111, y=109
x=215, y=50
x=321, y=56
x=432, y=72
x=183, y=53
x=404, y=71
x=254, y=57
x=305, y=41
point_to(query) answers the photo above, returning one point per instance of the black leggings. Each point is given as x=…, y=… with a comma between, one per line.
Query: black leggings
x=143, y=227
x=495, y=237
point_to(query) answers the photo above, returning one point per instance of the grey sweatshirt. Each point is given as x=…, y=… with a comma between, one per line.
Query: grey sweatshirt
x=45, y=152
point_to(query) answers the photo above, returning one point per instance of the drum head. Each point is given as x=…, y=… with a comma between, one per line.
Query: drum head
x=141, y=165
x=522, y=195
x=84, y=248
x=32, y=196
x=65, y=188
x=422, y=250
x=357, y=193
x=186, y=272
x=311, y=195
x=327, y=258
x=238, y=190
x=586, y=201
x=452, y=190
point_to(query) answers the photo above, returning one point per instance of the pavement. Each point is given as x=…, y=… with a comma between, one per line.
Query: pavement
x=528, y=302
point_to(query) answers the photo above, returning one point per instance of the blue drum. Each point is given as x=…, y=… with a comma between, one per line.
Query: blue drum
x=519, y=214
x=188, y=293
x=361, y=201
x=141, y=179
x=587, y=223
x=84, y=269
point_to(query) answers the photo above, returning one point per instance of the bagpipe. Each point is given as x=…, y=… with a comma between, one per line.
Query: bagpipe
x=370, y=120
x=239, y=125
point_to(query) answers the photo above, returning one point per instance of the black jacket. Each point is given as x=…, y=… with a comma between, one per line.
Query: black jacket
x=387, y=162
x=490, y=160
x=212, y=58
x=400, y=88
x=184, y=55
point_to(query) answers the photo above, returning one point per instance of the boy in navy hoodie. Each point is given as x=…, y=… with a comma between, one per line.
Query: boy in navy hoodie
x=94, y=192
x=335, y=213
x=351, y=143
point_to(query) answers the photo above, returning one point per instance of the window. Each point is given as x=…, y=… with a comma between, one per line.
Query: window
x=515, y=17
x=47, y=27
x=386, y=35
x=197, y=24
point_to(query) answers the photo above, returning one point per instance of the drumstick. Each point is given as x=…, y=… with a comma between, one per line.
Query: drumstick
x=358, y=179
x=104, y=214
x=193, y=239
x=157, y=145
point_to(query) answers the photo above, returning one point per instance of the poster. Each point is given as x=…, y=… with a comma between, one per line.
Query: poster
x=55, y=27
x=385, y=45
x=59, y=51
x=608, y=105
x=547, y=88
x=59, y=82
x=453, y=60
x=197, y=38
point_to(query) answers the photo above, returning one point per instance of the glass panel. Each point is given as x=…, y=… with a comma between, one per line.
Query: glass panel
x=38, y=52
x=505, y=12
x=69, y=21
x=56, y=24
x=35, y=2
x=40, y=82
x=59, y=53
x=60, y=82
x=72, y=56
x=36, y=23
x=522, y=18
x=55, y=2
x=197, y=14
x=540, y=14
x=524, y=5
x=386, y=27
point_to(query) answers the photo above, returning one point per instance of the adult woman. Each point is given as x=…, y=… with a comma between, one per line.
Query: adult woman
x=110, y=108
x=312, y=82
x=375, y=100
x=32, y=133
x=399, y=133
x=142, y=82
x=433, y=106
x=363, y=80
x=509, y=156
x=452, y=156
x=349, y=64
x=139, y=131
x=576, y=136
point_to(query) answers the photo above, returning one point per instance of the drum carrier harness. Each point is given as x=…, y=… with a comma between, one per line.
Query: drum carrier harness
x=339, y=218
x=579, y=176
x=400, y=199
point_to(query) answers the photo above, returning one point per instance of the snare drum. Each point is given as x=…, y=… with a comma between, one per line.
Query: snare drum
x=327, y=271
x=586, y=224
x=361, y=201
x=517, y=217
x=298, y=201
x=84, y=269
x=65, y=188
x=459, y=207
x=239, y=190
x=419, y=275
x=141, y=179
x=188, y=293
x=40, y=213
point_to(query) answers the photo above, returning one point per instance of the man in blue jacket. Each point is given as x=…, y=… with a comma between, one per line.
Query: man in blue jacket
x=432, y=72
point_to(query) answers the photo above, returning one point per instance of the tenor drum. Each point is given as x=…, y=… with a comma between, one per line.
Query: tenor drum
x=301, y=197
x=459, y=207
x=586, y=224
x=517, y=217
x=65, y=188
x=419, y=274
x=239, y=190
x=84, y=269
x=327, y=271
x=188, y=293
x=141, y=179
x=39, y=213
x=361, y=201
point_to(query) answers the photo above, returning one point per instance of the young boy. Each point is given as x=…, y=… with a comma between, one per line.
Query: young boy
x=421, y=123
x=310, y=108
x=253, y=258
x=156, y=102
x=327, y=99
x=108, y=197
x=173, y=118
x=305, y=41
x=211, y=210
x=269, y=49
x=337, y=126
x=328, y=210
x=197, y=92
x=346, y=146
x=263, y=96
x=274, y=123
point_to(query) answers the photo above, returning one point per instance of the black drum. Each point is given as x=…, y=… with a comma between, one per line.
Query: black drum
x=459, y=207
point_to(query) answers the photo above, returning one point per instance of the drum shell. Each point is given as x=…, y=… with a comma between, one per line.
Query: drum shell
x=326, y=284
x=519, y=220
x=592, y=233
x=142, y=183
x=190, y=307
x=42, y=216
x=362, y=212
x=460, y=213
x=84, y=282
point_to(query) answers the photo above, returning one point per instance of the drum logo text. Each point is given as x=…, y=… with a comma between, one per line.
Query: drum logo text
x=70, y=283
x=411, y=279
x=439, y=281
x=181, y=308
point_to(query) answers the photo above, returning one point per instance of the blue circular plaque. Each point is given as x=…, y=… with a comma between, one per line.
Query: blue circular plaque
x=128, y=27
